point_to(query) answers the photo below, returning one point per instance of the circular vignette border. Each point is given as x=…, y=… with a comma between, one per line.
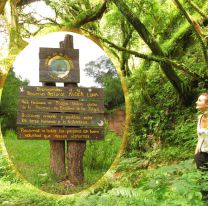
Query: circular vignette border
x=125, y=138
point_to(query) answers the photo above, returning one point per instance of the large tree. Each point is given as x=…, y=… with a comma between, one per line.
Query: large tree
x=104, y=73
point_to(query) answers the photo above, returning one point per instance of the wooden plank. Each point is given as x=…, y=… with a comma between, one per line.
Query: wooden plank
x=46, y=52
x=59, y=119
x=49, y=73
x=61, y=92
x=68, y=42
x=60, y=105
x=60, y=133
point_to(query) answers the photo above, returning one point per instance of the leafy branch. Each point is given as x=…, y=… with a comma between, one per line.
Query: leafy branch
x=90, y=16
x=197, y=9
x=179, y=66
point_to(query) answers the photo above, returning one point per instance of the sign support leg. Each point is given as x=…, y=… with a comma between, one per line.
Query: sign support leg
x=57, y=153
x=75, y=153
x=57, y=158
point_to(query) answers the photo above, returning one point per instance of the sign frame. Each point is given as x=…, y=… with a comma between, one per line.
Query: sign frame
x=49, y=62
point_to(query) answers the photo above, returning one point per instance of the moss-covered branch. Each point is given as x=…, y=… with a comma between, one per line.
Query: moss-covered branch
x=177, y=65
x=89, y=16
x=197, y=9
x=25, y=2
x=149, y=39
x=204, y=49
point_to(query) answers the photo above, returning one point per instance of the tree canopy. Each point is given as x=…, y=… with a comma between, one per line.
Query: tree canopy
x=126, y=29
x=104, y=73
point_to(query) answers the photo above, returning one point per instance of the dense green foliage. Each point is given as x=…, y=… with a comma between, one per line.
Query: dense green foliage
x=104, y=73
x=158, y=167
x=156, y=112
x=175, y=184
x=8, y=107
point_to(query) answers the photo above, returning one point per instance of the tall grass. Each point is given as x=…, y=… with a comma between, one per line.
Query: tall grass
x=99, y=155
x=31, y=158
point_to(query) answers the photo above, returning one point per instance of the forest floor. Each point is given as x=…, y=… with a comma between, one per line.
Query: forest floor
x=31, y=159
x=163, y=176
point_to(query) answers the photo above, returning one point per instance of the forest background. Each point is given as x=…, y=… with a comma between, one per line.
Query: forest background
x=159, y=49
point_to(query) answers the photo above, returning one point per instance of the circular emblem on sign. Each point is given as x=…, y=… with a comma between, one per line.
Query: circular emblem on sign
x=59, y=67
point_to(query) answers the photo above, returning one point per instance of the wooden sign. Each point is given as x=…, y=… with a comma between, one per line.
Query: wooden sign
x=61, y=92
x=54, y=133
x=61, y=113
x=53, y=112
x=51, y=105
x=59, y=119
x=59, y=65
x=60, y=106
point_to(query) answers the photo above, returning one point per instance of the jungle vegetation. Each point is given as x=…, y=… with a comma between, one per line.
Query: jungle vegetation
x=159, y=49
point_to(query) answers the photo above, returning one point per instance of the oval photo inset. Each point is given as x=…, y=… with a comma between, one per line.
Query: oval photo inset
x=60, y=135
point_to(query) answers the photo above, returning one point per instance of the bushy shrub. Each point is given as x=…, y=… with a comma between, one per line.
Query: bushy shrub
x=8, y=106
x=100, y=154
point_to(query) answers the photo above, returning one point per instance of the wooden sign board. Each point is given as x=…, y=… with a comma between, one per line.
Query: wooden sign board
x=59, y=65
x=59, y=119
x=51, y=105
x=54, y=133
x=65, y=107
x=61, y=92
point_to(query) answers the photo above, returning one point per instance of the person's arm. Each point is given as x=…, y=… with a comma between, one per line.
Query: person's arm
x=199, y=144
x=200, y=140
x=197, y=150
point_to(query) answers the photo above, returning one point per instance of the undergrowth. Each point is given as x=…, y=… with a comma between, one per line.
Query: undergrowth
x=134, y=183
x=31, y=158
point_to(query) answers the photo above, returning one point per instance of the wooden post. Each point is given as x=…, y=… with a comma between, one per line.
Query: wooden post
x=75, y=154
x=57, y=158
x=57, y=153
x=75, y=149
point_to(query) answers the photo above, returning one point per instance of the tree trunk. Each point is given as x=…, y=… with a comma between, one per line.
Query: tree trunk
x=75, y=149
x=127, y=32
x=178, y=84
x=11, y=17
x=57, y=153
x=75, y=153
x=57, y=158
